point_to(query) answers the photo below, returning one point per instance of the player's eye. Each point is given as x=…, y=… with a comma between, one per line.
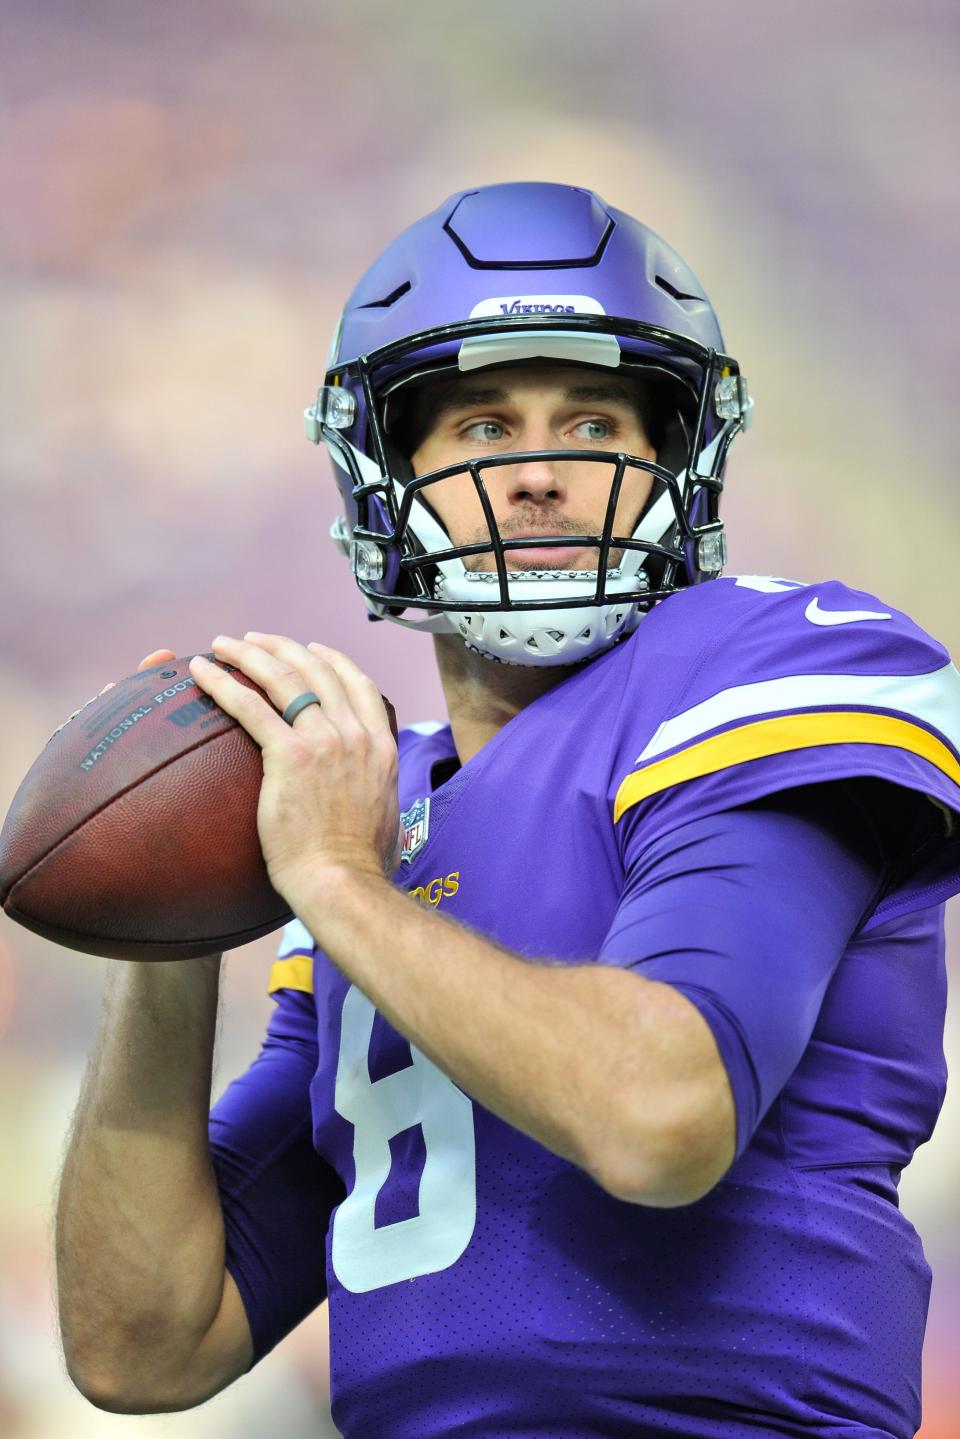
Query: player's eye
x=489, y=430
x=594, y=429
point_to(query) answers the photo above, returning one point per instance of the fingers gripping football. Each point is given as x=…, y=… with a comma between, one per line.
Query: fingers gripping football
x=329, y=795
x=156, y=657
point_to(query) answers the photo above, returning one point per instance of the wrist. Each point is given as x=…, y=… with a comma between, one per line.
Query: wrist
x=326, y=888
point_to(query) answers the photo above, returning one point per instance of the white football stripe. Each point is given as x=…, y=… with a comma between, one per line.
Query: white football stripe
x=933, y=698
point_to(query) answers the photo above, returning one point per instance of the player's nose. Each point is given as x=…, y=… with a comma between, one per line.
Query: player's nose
x=535, y=480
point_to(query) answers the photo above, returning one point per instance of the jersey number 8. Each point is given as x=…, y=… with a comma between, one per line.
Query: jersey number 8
x=364, y=1256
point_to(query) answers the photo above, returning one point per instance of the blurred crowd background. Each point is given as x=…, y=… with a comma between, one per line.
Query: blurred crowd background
x=187, y=194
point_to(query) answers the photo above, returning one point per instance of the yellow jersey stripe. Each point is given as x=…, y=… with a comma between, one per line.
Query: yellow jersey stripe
x=296, y=972
x=779, y=735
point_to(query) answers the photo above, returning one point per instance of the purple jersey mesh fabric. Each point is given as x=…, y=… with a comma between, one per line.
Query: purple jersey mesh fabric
x=721, y=883
x=750, y=822
x=275, y=1190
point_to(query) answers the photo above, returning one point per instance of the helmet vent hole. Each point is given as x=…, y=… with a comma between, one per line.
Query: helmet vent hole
x=388, y=300
x=677, y=294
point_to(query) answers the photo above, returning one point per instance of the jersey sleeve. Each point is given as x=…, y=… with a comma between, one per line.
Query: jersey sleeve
x=276, y=1193
x=748, y=912
x=792, y=685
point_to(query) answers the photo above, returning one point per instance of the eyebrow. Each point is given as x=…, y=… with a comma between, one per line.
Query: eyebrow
x=479, y=399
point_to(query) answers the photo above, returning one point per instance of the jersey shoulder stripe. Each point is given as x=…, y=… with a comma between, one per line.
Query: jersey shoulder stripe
x=740, y=689
x=293, y=973
x=781, y=735
x=932, y=698
x=293, y=967
x=916, y=713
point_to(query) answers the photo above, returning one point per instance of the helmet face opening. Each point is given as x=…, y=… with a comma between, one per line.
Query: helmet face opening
x=403, y=557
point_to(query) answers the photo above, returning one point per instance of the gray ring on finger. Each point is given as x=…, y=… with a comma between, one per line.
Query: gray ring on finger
x=300, y=703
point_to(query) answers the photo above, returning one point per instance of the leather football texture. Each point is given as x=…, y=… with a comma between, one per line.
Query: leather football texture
x=134, y=833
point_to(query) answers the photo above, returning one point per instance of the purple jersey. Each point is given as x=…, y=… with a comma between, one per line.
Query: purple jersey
x=481, y=1285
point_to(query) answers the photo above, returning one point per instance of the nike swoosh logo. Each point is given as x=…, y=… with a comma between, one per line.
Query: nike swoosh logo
x=817, y=616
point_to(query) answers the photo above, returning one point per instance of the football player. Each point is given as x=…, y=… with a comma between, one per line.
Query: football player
x=611, y=1013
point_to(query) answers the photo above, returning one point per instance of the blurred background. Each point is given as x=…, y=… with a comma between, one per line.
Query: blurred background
x=188, y=194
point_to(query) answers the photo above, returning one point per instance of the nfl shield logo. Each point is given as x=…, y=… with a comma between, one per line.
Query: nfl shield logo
x=415, y=823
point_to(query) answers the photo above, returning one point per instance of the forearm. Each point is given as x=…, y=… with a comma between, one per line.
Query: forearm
x=609, y=1070
x=140, y=1244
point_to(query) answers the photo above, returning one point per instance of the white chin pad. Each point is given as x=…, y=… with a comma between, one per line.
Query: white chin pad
x=547, y=637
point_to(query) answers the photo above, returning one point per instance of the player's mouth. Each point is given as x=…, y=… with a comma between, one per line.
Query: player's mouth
x=550, y=555
x=541, y=557
x=554, y=552
x=547, y=557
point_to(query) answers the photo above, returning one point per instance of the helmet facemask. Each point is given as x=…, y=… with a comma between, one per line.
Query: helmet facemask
x=404, y=559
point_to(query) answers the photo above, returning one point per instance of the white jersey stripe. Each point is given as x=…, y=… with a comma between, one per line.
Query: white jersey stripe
x=932, y=698
x=296, y=939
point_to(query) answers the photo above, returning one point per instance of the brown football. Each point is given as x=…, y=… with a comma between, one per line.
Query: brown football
x=134, y=834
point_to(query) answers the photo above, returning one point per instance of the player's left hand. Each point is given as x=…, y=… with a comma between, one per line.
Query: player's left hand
x=328, y=802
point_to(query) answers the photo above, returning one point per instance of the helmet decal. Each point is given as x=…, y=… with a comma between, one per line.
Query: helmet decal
x=538, y=305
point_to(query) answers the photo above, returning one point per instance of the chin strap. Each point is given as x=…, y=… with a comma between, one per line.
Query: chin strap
x=431, y=622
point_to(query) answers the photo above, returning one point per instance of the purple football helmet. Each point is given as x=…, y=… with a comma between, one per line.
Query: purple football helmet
x=511, y=275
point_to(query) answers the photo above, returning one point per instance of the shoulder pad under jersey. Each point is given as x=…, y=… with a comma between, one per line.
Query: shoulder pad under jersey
x=783, y=684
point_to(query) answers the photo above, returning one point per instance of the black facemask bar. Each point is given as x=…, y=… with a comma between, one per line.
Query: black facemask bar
x=415, y=577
